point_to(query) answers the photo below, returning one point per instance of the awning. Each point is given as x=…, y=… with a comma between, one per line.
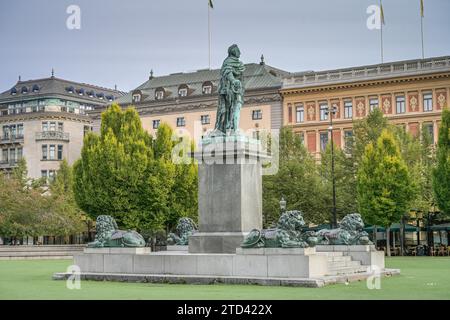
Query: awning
x=441, y=227
x=369, y=229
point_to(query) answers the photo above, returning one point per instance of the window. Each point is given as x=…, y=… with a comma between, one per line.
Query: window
x=206, y=119
x=12, y=155
x=301, y=136
x=51, y=154
x=20, y=130
x=5, y=132
x=19, y=153
x=60, y=152
x=86, y=130
x=44, y=126
x=300, y=114
x=5, y=155
x=60, y=126
x=323, y=140
x=429, y=127
x=44, y=174
x=348, y=140
x=181, y=122
x=207, y=89
x=323, y=112
x=136, y=98
x=52, y=126
x=400, y=104
x=373, y=104
x=256, y=135
x=156, y=124
x=257, y=115
x=12, y=130
x=159, y=95
x=348, y=110
x=51, y=175
x=427, y=102
x=44, y=152
x=183, y=92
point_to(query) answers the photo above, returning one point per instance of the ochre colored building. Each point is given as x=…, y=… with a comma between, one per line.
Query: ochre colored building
x=410, y=93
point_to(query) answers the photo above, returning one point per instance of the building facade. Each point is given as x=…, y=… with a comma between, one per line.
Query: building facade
x=45, y=121
x=411, y=94
x=188, y=101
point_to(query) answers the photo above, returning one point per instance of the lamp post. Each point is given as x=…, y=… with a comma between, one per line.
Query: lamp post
x=330, y=112
x=419, y=217
x=282, y=205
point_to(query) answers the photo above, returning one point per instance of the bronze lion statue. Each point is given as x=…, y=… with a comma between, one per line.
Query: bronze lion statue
x=350, y=232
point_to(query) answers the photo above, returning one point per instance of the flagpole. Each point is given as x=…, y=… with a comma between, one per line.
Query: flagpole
x=209, y=35
x=381, y=32
x=421, y=29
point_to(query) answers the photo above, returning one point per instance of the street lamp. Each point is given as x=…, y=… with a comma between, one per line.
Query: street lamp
x=331, y=111
x=282, y=205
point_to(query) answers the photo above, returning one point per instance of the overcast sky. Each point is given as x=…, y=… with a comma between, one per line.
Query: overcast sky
x=121, y=41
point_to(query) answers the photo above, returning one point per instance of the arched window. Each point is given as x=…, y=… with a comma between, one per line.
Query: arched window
x=100, y=95
x=35, y=88
x=137, y=96
x=13, y=91
x=24, y=90
x=160, y=94
x=80, y=91
x=91, y=94
x=183, y=90
x=70, y=89
x=207, y=87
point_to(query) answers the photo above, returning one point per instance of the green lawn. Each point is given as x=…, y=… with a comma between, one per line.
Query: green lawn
x=421, y=278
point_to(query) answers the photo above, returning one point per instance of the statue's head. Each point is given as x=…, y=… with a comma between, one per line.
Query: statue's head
x=104, y=222
x=291, y=220
x=234, y=51
x=186, y=225
x=352, y=222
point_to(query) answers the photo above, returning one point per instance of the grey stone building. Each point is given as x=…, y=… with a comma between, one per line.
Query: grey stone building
x=45, y=121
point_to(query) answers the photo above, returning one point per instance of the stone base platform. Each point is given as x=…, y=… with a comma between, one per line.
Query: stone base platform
x=207, y=280
x=266, y=266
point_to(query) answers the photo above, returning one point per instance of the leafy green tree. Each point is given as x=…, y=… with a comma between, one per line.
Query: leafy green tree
x=117, y=173
x=441, y=174
x=345, y=180
x=297, y=180
x=384, y=188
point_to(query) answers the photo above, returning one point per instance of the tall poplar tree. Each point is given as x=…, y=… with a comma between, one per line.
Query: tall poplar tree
x=441, y=174
x=384, y=188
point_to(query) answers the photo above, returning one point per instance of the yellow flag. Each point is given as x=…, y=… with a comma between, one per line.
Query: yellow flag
x=382, y=14
x=211, y=4
x=421, y=9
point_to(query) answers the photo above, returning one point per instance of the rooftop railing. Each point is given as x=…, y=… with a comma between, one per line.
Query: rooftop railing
x=362, y=73
x=12, y=138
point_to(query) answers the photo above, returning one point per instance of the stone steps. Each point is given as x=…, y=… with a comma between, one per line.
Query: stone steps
x=340, y=264
x=39, y=252
x=347, y=270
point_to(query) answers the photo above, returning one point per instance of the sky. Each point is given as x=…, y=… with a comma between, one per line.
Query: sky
x=119, y=41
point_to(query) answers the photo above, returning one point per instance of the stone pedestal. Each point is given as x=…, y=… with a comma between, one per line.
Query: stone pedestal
x=229, y=195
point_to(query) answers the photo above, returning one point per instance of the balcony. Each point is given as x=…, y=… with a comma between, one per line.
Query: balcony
x=18, y=138
x=52, y=135
x=5, y=164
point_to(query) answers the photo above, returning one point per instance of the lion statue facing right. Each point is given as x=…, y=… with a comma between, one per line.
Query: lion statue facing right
x=350, y=232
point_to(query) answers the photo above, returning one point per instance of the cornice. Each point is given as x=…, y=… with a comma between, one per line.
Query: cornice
x=45, y=115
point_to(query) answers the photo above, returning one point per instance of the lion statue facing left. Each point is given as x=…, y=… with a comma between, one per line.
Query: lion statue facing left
x=287, y=234
x=350, y=232
x=109, y=236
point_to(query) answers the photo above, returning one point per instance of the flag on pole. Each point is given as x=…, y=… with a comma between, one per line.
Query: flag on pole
x=422, y=11
x=382, y=14
x=211, y=4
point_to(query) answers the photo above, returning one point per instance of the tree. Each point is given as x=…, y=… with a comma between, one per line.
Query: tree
x=384, y=184
x=366, y=131
x=345, y=179
x=441, y=174
x=117, y=174
x=297, y=180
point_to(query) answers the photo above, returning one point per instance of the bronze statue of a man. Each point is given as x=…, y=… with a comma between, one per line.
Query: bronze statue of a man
x=231, y=92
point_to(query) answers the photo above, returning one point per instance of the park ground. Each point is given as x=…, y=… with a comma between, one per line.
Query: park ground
x=421, y=278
